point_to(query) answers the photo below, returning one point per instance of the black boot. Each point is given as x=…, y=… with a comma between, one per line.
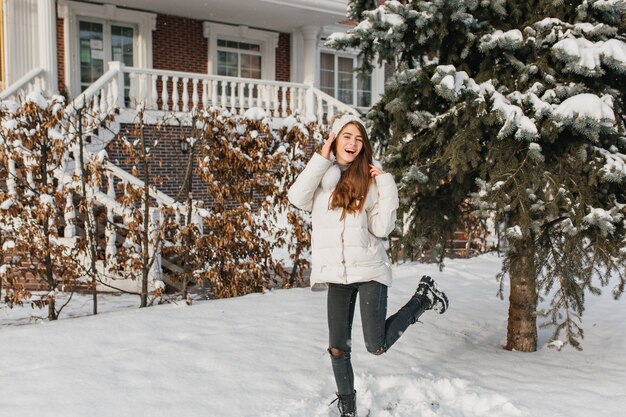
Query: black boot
x=347, y=404
x=428, y=288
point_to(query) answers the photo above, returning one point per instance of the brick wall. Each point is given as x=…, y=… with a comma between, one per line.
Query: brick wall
x=283, y=58
x=170, y=162
x=178, y=44
x=61, y=55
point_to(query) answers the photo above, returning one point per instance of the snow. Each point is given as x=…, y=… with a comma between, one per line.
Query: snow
x=265, y=355
x=585, y=57
x=513, y=116
x=607, y=5
x=392, y=19
x=6, y=204
x=55, y=134
x=603, y=220
x=548, y=22
x=255, y=113
x=450, y=83
x=511, y=39
x=335, y=37
x=614, y=169
x=38, y=99
x=8, y=244
x=363, y=26
x=9, y=125
x=589, y=105
x=514, y=232
x=289, y=122
x=10, y=106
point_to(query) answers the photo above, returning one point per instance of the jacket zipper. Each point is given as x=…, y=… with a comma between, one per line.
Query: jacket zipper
x=343, y=256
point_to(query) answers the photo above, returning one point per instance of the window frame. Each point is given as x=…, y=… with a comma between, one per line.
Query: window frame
x=355, y=81
x=239, y=52
x=107, y=41
x=72, y=12
x=267, y=40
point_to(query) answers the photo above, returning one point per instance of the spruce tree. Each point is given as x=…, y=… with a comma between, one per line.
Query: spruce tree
x=518, y=109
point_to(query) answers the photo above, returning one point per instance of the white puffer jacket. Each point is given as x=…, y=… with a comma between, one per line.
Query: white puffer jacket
x=349, y=250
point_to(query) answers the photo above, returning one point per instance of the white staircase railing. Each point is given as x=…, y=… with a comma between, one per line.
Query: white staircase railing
x=105, y=96
x=32, y=81
x=95, y=105
x=326, y=106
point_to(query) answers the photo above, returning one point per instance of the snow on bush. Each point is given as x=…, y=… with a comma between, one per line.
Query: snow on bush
x=587, y=114
x=37, y=98
x=511, y=39
x=586, y=57
x=514, y=232
x=603, y=219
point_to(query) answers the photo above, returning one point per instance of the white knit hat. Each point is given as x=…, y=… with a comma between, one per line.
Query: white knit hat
x=339, y=123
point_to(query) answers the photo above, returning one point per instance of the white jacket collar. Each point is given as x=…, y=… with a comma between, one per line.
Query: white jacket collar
x=331, y=177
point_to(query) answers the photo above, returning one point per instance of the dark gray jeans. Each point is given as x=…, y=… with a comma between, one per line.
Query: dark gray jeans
x=379, y=333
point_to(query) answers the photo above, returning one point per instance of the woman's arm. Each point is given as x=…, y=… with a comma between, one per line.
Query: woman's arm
x=381, y=219
x=301, y=192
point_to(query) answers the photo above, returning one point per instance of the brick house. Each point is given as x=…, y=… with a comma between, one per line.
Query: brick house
x=74, y=42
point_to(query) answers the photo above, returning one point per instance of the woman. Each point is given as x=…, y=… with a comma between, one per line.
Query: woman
x=353, y=204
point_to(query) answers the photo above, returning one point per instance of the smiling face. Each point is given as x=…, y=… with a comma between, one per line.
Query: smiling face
x=348, y=144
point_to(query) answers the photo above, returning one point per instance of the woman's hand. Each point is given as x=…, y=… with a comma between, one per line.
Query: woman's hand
x=326, y=149
x=375, y=171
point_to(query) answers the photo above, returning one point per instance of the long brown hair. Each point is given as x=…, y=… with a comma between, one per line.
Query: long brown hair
x=351, y=190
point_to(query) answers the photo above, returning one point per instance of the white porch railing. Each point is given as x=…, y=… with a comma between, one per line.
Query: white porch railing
x=32, y=81
x=183, y=91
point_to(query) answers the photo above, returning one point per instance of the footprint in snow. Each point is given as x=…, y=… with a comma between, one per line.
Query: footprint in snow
x=407, y=396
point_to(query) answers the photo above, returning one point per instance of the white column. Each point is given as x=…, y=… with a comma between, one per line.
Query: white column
x=118, y=85
x=155, y=273
x=196, y=218
x=109, y=232
x=70, y=215
x=297, y=48
x=21, y=40
x=310, y=34
x=11, y=178
x=48, y=43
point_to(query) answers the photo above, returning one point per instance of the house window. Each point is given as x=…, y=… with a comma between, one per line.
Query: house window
x=96, y=34
x=338, y=79
x=101, y=42
x=239, y=51
x=238, y=59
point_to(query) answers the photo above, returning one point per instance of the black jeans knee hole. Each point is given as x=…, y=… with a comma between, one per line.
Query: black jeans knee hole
x=336, y=352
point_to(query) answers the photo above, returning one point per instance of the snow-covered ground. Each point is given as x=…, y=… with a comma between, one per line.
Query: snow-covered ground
x=264, y=355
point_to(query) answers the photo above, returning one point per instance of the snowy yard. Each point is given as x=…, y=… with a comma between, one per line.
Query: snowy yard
x=264, y=355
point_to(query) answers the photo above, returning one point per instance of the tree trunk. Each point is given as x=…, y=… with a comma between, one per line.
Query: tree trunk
x=146, y=218
x=522, y=324
x=90, y=224
x=49, y=273
x=1, y=261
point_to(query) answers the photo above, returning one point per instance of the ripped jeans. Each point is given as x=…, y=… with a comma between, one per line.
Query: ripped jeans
x=379, y=333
